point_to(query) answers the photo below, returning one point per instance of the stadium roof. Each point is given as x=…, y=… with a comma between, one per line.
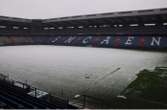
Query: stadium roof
x=152, y=15
x=110, y=15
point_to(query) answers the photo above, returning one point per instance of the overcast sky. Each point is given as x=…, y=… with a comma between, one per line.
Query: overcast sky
x=61, y=8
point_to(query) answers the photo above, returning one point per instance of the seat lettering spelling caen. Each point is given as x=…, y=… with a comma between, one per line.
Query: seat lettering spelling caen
x=156, y=41
x=55, y=39
x=86, y=40
x=129, y=40
x=69, y=40
x=106, y=41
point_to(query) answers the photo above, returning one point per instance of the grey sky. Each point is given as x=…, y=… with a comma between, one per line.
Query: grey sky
x=60, y=8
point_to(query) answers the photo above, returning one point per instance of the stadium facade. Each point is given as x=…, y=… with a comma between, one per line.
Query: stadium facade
x=144, y=29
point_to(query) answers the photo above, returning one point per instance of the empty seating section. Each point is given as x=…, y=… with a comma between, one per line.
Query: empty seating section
x=12, y=96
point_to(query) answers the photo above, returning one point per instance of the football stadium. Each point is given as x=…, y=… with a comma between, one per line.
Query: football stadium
x=105, y=60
